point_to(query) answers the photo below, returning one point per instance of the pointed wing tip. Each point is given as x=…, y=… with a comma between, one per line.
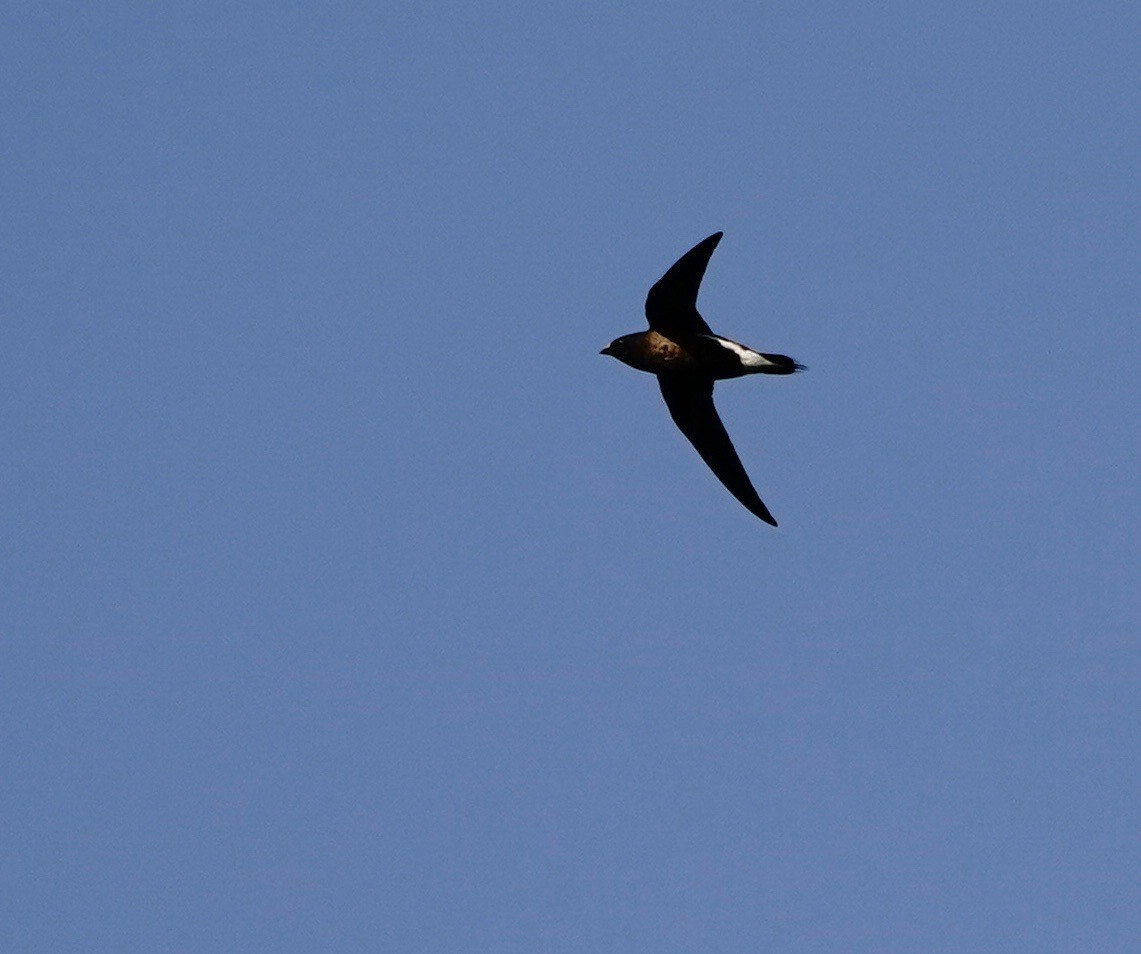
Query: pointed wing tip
x=762, y=512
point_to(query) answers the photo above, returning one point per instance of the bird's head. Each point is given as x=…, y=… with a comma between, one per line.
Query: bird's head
x=619, y=348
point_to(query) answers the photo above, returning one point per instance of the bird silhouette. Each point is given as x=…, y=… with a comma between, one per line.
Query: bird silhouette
x=688, y=358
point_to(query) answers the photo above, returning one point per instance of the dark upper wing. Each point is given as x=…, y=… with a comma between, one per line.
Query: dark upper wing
x=691, y=406
x=671, y=304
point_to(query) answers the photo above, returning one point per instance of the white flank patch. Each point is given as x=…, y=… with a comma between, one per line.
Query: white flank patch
x=748, y=357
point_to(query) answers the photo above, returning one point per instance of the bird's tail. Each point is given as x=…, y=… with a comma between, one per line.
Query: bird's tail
x=781, y=364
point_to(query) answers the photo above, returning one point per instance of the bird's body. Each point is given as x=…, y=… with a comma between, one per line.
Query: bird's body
x=709, y=356
x=687, y=358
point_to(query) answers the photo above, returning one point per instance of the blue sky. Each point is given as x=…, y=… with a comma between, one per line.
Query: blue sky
x=352, y=601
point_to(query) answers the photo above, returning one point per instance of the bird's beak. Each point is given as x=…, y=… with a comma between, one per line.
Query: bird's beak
x=605, y=350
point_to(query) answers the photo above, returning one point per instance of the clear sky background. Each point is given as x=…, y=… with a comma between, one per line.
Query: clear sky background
x=351, y=601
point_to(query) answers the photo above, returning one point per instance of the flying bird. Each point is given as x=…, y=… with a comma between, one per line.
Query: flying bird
x=688, y=357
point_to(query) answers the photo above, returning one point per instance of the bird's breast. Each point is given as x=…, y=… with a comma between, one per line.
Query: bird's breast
x=664, y=354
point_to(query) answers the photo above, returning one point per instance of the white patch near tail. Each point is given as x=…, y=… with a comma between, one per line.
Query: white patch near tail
x=748, y=357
